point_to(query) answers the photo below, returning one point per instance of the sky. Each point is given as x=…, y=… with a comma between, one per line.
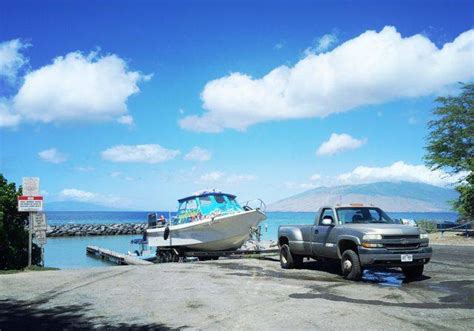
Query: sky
x=134, y=104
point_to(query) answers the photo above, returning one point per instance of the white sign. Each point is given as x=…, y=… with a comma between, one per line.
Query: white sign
x=26, y=203
x=40, y=238
x=39, y=222
x=31, y=186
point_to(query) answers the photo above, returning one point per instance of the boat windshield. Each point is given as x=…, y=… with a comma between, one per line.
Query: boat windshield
x=362, y=215
x=209, y=205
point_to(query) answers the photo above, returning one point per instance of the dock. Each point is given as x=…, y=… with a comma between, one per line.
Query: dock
x=168, y=254
x=114, y=257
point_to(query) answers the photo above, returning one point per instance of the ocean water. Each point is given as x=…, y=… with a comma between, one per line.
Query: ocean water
x=70, y=252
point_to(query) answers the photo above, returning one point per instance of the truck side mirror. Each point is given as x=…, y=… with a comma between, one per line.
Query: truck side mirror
x=327, y=220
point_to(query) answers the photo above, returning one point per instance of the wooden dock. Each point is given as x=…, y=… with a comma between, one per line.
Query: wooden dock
x=114, y=257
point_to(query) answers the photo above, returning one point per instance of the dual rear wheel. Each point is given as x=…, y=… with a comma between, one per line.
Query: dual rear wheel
x=289, y=260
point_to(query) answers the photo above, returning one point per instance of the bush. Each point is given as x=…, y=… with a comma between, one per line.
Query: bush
x=13, y=235
x=428, y=226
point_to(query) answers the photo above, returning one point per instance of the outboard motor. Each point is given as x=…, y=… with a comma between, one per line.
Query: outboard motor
x=152, y=220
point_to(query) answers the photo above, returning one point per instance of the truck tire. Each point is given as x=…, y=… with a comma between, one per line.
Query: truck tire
x=350, y=265
x=286, y=258
x=413, y=272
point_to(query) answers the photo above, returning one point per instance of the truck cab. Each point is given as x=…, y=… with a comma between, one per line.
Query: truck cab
x=359, y=236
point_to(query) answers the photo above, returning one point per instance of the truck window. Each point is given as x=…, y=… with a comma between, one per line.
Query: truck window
x=327, y=212
x=364, y=215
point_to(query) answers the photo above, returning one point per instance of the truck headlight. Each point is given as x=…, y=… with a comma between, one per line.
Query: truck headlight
x=423, y=235
x=372, y=237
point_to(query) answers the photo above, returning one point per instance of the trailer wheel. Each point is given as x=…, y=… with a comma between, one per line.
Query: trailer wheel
x=350, y=265
x=286, y=258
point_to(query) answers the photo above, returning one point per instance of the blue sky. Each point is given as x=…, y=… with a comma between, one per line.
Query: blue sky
x=105, y=102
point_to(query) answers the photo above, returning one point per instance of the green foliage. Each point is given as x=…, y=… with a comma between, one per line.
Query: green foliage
x=428, y=226
x=13, y=236
x=450, y=144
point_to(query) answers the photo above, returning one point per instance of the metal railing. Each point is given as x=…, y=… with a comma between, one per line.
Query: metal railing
x=261, y=205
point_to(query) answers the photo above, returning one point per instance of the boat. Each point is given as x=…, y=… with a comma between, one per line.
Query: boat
x=143, y=252
x=208, y=221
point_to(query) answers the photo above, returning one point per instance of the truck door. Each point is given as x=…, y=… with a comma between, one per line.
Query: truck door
x=321, y=233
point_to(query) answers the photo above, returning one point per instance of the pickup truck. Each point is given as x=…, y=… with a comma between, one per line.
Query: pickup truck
x=358, y=237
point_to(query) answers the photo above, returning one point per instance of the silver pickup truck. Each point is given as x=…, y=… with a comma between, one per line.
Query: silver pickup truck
x=358, y=236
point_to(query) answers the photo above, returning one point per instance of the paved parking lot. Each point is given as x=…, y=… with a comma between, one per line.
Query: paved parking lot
x=242, y=294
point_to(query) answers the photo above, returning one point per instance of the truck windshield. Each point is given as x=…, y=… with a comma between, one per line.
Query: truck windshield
x=362, y=215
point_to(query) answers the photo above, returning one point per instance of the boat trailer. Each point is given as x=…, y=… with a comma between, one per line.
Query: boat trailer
x=170, y=254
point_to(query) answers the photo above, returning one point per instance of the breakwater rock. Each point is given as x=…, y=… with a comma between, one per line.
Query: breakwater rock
x=70, y=230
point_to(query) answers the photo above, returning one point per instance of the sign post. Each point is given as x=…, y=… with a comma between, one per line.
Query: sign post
x=30, y=221
x=32, y=202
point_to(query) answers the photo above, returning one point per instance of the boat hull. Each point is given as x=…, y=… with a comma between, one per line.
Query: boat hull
x=227, y=232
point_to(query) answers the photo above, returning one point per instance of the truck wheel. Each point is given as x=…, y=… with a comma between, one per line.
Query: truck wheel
x=286, y=259
x=350, y=265
x=413, y=272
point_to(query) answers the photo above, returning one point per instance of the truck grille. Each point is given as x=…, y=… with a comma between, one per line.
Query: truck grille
x=402, y=246
x=414, y=236
x=401, y=242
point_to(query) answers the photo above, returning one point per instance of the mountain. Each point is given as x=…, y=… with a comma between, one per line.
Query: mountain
x=391, y=197
x=75, y=206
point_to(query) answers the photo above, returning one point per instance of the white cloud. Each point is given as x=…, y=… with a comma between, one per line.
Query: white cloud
x=78, y=87
x=11, y=59
x=212, y=176
x=373, y=68
x=151, y=153
x=52, y=155
x=84, y=168
x=198, y=154
x=338, y=143
x=223, y=178
x=7, y=118
x=398, y=171
x=115, y=174
x=323, y=44
x=125, y=119
x=73, y=194
x=315, y=177
x=77, y=195
x=279, y=45
x=302, y=186
x=412, y=120
x=234, y=178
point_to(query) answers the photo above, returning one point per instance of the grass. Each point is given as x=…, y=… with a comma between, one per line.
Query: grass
x=428, y=226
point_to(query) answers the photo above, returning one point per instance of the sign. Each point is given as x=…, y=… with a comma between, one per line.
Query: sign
x=31, y=186
x=26, y=203
x=40, y=238
x=39, y=222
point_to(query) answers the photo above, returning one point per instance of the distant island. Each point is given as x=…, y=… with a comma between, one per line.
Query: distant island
x=76, y=206
x=391, y=197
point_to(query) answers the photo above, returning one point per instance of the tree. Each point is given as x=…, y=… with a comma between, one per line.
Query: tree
x=13, y=234
x=450, y=144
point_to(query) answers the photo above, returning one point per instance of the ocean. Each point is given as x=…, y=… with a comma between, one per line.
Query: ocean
x=70, y=252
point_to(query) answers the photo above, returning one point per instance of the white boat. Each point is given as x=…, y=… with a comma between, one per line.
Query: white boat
x=208, y=221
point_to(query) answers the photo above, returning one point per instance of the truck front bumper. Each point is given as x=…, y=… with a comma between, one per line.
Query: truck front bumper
x=385, y=257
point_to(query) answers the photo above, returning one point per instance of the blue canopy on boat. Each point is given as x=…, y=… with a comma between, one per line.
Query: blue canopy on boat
x=205, y=194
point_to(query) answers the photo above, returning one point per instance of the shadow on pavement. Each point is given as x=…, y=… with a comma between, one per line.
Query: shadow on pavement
x=27, y=315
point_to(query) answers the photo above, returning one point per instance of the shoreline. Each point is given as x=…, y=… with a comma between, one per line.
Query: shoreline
x=451, y=239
